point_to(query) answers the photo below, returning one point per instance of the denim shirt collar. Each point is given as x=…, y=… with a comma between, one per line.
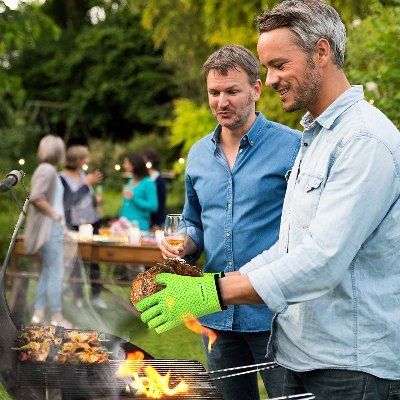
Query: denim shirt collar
x=338, y=107
x=251, y=136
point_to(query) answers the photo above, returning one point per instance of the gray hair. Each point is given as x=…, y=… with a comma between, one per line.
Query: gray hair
x=51, y=149
x=232, y=57
x=309, y=20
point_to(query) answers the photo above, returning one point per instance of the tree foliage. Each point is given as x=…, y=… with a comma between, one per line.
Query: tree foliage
x=17, y=30
x=106, y=78
x=373, y=59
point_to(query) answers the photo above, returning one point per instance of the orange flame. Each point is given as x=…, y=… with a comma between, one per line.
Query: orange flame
x=153, y=385
x=195, y=326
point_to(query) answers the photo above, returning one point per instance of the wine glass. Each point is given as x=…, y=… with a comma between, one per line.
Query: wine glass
x=175, y=230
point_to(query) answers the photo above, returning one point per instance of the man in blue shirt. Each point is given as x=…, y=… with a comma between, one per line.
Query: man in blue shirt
x=235, y=185
x=334, y=278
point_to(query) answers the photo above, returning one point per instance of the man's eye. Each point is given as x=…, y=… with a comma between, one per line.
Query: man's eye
x=233, y=92
x=279, y=66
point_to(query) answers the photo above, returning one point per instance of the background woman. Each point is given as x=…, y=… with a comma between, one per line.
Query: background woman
x=44, y=230
x=80, y=208
x=140, y=193
x=152, y=159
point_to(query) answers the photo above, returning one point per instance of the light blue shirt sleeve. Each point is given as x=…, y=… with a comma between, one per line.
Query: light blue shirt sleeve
x=358, y=193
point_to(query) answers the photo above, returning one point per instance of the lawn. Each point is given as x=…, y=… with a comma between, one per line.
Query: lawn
x=179, y=343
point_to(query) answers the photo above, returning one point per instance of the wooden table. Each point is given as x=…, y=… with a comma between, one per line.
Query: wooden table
x=88, y=251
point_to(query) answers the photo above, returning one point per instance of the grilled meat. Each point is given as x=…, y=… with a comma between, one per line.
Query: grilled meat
x=41, y=344
x=145, y=283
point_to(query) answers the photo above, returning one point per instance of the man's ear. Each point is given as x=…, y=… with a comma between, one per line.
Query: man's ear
x=257, y=88
x=323, y=52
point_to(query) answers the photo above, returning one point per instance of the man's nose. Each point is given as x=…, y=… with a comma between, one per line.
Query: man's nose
x=223, y=100
x=271, y=79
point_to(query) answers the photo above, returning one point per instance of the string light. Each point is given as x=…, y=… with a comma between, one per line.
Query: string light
x=181, y=160
x=117, y=167
x=21, y=161
x=85, y=167
x=149, y=164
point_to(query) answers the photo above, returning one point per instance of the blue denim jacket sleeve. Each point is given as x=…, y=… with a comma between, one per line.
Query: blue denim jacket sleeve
x=358, y=192
x=192, y=212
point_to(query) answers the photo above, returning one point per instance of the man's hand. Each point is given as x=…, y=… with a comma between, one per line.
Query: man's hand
x=184, y=298
x=168, y=251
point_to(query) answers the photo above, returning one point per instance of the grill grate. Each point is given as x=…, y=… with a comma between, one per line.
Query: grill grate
x=99, y=381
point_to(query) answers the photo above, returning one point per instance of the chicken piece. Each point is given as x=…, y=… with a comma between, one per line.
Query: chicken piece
x=145, y=283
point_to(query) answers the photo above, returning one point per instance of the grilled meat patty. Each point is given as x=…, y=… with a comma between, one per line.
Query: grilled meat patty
x=145, y=283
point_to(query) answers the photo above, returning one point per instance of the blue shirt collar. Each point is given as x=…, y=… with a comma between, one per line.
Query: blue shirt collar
x=338, y=107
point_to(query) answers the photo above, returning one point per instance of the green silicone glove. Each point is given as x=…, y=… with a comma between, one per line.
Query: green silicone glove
x=184, y=298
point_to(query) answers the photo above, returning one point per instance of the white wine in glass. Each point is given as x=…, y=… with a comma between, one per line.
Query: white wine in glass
x=175, y=230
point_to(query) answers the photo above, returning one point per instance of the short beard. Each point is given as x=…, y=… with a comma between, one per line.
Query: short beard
x=244, y=115
x=307, y=93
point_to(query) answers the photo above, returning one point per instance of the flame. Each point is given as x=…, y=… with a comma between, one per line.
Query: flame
x=133, y=364
x=194, y=325
x=153, y=384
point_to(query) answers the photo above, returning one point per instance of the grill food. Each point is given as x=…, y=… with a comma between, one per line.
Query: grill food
x=41, y=344
x=145, y=283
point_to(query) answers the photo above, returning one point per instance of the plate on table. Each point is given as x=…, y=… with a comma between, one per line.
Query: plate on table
x=105, y=239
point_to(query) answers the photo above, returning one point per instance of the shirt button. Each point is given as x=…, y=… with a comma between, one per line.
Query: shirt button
x=241, y=151
x=227, y=234
x=229, y=205
x=230, y=263
x=305, y=144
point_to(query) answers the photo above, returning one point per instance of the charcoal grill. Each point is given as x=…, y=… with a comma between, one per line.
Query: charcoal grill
x=26, y=380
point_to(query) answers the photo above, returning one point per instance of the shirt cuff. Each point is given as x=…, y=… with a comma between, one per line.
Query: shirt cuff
x=193, y=234
x=264, y=283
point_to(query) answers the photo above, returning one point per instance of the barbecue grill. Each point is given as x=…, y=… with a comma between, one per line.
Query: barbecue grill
x=26, y=380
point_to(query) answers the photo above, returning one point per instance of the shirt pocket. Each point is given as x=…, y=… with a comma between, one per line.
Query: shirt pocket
x=307, y=199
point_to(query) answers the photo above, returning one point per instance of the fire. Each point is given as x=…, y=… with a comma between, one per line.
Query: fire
x=153, y=385
x=126, y=369
x=194, y=325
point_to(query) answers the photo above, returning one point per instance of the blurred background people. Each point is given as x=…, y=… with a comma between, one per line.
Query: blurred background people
x=44, y=230
x=152, y=159
x=139, y=193
x=80, y=208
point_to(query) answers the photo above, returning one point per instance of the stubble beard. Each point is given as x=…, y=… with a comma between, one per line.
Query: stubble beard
x=306, y=93
x=242, y=116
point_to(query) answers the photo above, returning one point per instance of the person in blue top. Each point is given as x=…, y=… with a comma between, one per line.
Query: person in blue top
x=333, y=279
x=152, y=158
x=140, y=192
x=235, y=185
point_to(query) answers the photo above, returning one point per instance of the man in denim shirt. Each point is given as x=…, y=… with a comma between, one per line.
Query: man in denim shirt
x=235, y=185
x=334, y=278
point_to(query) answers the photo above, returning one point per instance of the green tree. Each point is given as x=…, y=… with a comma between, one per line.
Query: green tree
x=373, y=59
x=17, y=29
x=106, y=78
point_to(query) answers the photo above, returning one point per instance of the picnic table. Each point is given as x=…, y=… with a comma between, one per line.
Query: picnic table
x=91, y=251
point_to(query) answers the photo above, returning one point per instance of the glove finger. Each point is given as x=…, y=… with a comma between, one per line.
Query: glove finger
x=150, y=313
x=167, y=326
x=157, y=321
x=147, y=302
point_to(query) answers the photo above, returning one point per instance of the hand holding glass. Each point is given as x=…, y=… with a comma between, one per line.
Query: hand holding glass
x=175, y=230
